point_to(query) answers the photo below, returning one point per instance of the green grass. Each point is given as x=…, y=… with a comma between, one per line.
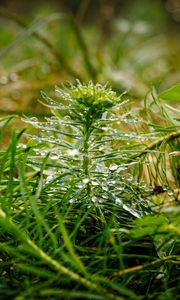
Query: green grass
x=89, y=205
x=139, y=50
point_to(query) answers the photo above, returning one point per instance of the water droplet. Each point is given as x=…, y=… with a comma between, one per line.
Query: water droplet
x=113, y=167
x=73, y=152
x=170, y=193
x=67, y=118
x=113, y=182
x=85, y=180
x=79, y=185
x=49, y=178
x=101, y=201
x=120, y=189
x=94, y=199
x=131, y=210
x=105, y=188
x=54, y=157
x=118, y=201
x=21, y=146
x=94, y=183
x=129, y=178
x=71, y=201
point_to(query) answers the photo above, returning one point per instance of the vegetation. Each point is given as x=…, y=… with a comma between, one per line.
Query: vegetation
x=89, y=204
x=90, y=173
x=48, y=45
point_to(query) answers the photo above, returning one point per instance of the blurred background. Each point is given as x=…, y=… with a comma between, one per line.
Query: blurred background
x=133, y=45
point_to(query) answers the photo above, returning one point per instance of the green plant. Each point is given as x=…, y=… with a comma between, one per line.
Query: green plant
x=77, y=220
x=39, y=52
x=85, y=143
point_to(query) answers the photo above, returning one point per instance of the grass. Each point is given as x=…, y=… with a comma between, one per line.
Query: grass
x=89, y=204
x=37, y=53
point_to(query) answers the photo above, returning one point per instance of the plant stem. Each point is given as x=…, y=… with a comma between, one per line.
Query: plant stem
x=141, y=267
x=86, y=164
x=86, y=155
x=164, y=139
x=84, y=49
x=82, y=11
x=85, y=150
x=167, y=138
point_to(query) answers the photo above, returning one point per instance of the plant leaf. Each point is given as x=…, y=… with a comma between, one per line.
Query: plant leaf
x=172, y=94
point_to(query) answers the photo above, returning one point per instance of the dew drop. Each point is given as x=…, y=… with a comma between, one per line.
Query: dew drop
x=119, y=189
x=94, y=183
x=113, y=182
x=113, y=167
x=54, y=157
x=105, y=188
x=170, y=193
x=131, y=210
x=101, y=201
x=85, y=180
x=94, y=199
x=73, y=152
x=79, y=185
x=71, y=201
x=118, y=201
x=50, y=177
x=21, y=146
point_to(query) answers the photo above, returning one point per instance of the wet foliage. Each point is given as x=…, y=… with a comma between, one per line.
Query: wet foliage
x=90, y=203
